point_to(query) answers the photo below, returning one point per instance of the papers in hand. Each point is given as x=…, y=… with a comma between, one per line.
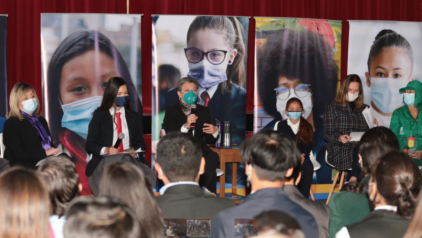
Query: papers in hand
x=356, y=136
x=128, y=151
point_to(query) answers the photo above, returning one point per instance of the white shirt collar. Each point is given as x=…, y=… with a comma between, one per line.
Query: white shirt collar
x=165, y=187
x=122, y=111
x=295, y=127
x=210, y=91
x=387, y=207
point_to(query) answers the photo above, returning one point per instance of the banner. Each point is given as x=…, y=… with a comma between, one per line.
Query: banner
x=4, y=105
x=386, y=56
x=80, y=53
x=296, y=58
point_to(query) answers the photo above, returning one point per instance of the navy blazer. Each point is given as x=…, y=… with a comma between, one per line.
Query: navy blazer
x=258, y=202
x=228, y=107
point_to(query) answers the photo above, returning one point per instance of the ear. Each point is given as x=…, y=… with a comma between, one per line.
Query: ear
x=247, y=168
x=179, y=94
x=360, y=160
x=160, y=173
x=412, y=79
x=289, y=172
x=368, y=81
x=202, y=166
x=232, y=55
x=80, y=187
x=298, y=178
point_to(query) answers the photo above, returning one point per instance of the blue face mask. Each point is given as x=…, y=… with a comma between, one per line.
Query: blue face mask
x=409, y=99
x=208, y=74
x=30, y=105
x=77, y=115
x=385, y=93
x=190, y=97
x=122, y=101
x=294, y=115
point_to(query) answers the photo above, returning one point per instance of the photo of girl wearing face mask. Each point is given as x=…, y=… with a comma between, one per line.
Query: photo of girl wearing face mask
x=77, y=74
x=405, y=123
x=390, y=67
x=215, y=52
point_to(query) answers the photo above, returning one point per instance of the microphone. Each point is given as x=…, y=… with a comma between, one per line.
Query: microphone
x=119, y=140
x=192, y=111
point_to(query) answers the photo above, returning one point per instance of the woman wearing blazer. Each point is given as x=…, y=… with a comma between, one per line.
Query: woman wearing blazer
x=26, y=135
x=179, y=118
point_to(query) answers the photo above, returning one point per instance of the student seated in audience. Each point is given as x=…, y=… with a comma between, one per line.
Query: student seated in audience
x=100, y=217
x=320, y=211
x=277, y=224
x=393, y=188
x=352, y=204
x=126, y=181
x=415, y=228
x=179, y=164
x=24, y=204
x=62, y=182
x=269, y=158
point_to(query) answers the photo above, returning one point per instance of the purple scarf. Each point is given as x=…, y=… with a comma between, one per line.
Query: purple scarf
x=45, y=138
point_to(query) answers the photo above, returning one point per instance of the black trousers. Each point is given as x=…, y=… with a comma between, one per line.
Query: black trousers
x=355, y=165
x=209, y=178
x=305, y=183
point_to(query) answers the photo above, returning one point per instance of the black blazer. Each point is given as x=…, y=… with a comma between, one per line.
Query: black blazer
x=286, y=129
x=175, y=118
x=187, y=201
x=380, y=224
x=100, y=134
x=22, y=142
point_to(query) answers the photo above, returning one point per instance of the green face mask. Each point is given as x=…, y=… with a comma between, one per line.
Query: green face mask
x=190, y=97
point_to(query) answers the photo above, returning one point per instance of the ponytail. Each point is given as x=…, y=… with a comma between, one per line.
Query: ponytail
x=406, y=203
x=305, y=133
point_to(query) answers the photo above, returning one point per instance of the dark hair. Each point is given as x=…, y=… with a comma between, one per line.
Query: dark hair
x=75, y=45
x=232, y=29
x=302, y=55
x=398, y=181
x=342, y=92
x=305, y=134
x=184, y=80
x=103, y=217
x=386, y=39
x=179, y=155
x=62, y=181
x=271, y=154
x=279, y=221
x=127, y=182
x=110, y=93
x=168, y=73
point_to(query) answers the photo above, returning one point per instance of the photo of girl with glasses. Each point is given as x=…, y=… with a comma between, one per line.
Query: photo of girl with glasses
x=215, y=53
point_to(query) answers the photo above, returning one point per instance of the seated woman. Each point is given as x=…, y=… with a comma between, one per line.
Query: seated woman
x=26, y=135
x=393, y=189
x=179, y=117
x=109, y=121
x=302, y=132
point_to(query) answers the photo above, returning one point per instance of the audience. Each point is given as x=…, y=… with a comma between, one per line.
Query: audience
x=100, y=217
x=277, y=224
x=393, y=188
x=62, y=181
x=126, y=181
x=24, y=205
x=319, y=210
x=269, y=158
x=352, y=204
x=415, y=228
x=179, y=164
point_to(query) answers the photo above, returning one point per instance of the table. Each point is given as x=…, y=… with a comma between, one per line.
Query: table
x=228, y=156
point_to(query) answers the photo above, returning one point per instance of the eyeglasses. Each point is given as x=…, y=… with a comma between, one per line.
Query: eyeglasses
x=215, y=57
x=301, y=91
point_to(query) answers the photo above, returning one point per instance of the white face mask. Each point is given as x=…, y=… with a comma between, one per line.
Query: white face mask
x=352, y=96
x=208, y=74
x=385, y=93
x=306, y=101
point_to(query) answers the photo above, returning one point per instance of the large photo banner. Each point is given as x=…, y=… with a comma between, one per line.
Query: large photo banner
x=386, y=56
x=80, y=53
x=3, y=68
x=296, y=58
x=213, y=51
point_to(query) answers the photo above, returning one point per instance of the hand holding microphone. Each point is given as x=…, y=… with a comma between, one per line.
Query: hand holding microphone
x=191, y=120
x=115, y=149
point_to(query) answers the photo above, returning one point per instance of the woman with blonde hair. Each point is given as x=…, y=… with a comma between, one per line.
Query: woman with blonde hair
x=25, y=205
x=26, y=135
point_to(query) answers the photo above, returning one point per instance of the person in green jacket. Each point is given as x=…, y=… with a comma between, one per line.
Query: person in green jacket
x=406, y=121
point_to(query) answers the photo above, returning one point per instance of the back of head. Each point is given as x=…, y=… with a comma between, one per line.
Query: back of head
x=24, y=203
x=179, y=156
x=278, y=224
x=100, y=217
x=62, y=182
x=271, y=154
x=126, y=181
x=398, y=181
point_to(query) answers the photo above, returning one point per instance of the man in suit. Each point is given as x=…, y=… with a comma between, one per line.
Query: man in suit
x=320, y=211
x=269, y=158
x=179, y=164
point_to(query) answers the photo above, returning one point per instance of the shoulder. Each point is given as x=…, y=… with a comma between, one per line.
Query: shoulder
x=236, y=89
x=12, y=121
x=100, y=113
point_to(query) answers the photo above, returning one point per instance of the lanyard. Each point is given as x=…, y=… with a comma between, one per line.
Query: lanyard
x=414, y=121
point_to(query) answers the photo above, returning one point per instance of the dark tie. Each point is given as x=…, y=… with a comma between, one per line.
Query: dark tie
x=206, y=98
